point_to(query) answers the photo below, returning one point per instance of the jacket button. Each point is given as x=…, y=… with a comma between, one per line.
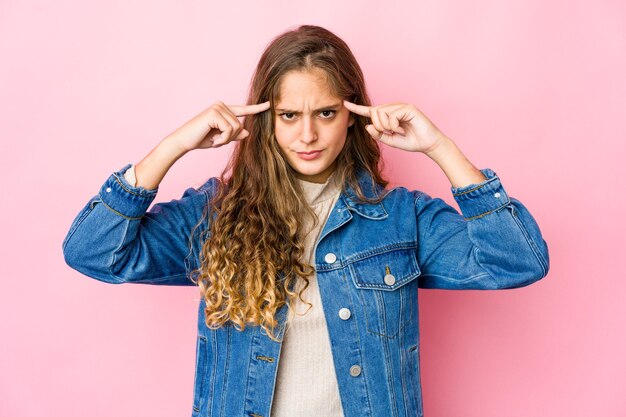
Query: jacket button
x=108, y=190
x=344, y=313
x=390, y=279
x=497, y=195
x=330, y=258
x=355, y=370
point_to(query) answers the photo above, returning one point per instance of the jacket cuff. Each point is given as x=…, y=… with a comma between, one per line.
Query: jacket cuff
x=124, y=199
x=477, y=200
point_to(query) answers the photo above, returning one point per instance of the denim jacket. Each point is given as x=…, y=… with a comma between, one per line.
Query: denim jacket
x=370, y=261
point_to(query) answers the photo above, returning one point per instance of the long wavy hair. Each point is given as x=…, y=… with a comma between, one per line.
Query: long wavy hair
x=252, y=255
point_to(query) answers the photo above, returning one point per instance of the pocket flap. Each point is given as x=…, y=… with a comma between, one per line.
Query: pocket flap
x=386, y=271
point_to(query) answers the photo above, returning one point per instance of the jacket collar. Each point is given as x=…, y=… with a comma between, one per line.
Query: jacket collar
x=371, y=190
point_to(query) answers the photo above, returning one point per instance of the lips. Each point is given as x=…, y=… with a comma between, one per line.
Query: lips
x=307, y=156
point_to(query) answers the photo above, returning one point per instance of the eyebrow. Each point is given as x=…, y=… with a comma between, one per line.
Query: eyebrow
x=329, y=107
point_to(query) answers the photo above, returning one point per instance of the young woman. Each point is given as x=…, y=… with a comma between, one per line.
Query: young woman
x=308, y=266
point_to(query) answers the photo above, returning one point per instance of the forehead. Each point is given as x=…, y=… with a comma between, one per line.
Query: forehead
x=297, y=88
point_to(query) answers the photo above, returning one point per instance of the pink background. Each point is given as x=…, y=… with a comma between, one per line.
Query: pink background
x=530, y=88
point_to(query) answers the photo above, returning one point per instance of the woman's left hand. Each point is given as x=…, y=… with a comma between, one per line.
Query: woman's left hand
x=400, y=125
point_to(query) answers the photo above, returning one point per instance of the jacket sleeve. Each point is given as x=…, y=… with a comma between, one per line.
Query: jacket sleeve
x=494, y=244
x=116, y=240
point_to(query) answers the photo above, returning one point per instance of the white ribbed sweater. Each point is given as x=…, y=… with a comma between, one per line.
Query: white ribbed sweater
x=306, y=384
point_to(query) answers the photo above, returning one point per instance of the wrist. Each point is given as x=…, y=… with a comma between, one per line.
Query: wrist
x=171, y=147
x=459, y=170
x=442, y=147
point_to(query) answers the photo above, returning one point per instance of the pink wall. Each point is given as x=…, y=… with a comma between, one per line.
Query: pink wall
x=532, y=89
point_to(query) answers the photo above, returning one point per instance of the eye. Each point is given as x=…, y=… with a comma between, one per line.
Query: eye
x=326, y=114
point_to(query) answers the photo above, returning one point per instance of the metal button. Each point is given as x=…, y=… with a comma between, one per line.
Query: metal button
x=330, y=258
x=497, y=195
x=355, y=370
x=390, y=279
x=344, y=313
x=108, y=190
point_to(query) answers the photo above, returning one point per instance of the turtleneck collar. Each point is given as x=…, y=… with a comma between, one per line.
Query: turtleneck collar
x=316, y=193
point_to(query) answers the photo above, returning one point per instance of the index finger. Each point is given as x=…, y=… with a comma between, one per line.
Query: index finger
x=357, y=108
x=249, y=109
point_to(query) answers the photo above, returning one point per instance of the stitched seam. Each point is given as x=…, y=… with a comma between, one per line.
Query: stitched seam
x=159, y=279
x=227, y=360
x=251, y=346
x=532, y=245
x=357, y=209
x=419, y=398
x=201, y=371
x=472, y=278
x=118, y=213
x=403, y=373
x=478, y=187
x=211, y=396
x=400, y=283
x=380, y=250
x=363, y=369
x=491, y=211
x=356, y=206
x=76, y=226
x=196, y=399
x=390, y=376
x=117, y=179
x=114, y=257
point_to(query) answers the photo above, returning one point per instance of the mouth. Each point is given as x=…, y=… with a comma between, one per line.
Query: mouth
x=307, y=156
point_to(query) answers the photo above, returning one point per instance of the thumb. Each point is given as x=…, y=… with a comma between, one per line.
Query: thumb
x=379, y=136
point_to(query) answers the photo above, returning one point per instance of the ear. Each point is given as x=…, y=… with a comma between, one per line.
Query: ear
x=351, y=119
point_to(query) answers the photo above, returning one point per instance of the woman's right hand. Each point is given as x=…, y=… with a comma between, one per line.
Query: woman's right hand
x=215, y=126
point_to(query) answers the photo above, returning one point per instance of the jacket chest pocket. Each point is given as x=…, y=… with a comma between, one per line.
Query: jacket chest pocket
x=381, y=281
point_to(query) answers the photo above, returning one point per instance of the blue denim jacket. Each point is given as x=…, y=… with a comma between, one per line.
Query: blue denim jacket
x=370, y=259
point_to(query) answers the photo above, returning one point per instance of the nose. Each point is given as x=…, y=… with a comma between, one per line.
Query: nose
x=309, y=133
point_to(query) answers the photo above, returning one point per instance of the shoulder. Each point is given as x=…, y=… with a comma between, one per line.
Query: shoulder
x=415, y=203
x=205, y=190
x=210, y=186
x=402, y=193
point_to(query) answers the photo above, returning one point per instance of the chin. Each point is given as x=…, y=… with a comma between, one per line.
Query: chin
x=309, y=173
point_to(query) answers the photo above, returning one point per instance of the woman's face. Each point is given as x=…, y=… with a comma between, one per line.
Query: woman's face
x=311, y=124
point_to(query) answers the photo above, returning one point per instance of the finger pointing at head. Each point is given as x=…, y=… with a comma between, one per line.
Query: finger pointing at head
x=357, y=108
x=249, y=109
